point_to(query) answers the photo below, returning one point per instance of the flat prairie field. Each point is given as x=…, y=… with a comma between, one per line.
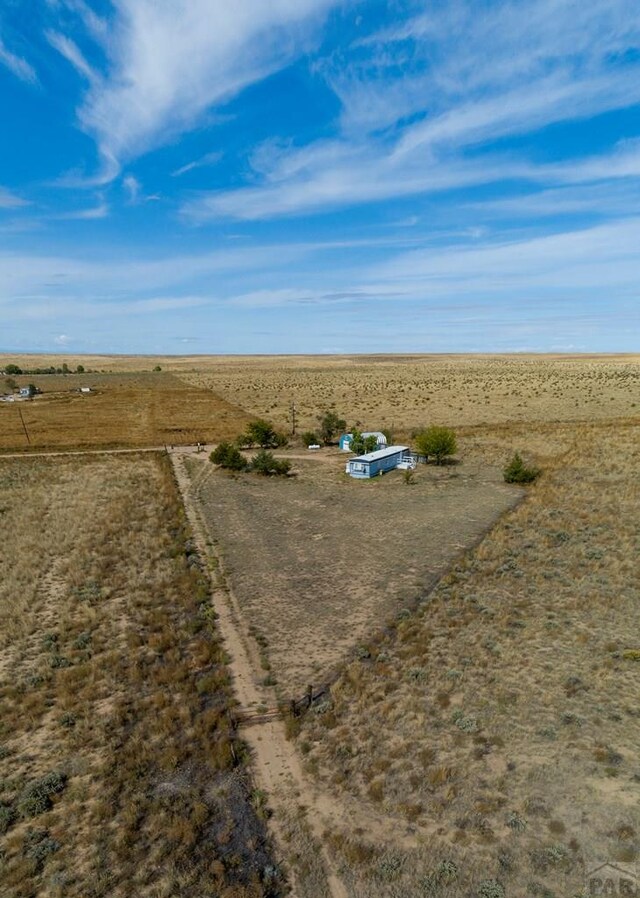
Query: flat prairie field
x=210, y=398
x=402, y=393
x=120, y=774
x=122, y=410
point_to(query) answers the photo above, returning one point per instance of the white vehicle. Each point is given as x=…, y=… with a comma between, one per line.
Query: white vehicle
x=407, y=464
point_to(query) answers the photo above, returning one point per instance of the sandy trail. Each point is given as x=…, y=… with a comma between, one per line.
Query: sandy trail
x=276, y=766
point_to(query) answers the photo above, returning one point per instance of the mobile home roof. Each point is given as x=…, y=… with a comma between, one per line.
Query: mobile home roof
x=380, y=453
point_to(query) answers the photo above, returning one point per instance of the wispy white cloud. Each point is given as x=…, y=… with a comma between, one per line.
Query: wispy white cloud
x=72, y=53
x=582, y=262
x=17, y=64
x=170, y=62
x=415, y=109
x=132, y=188
x=201, y=162
x=92, y=213
x=10, y=200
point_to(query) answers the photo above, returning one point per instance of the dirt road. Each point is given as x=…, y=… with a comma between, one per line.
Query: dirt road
x=276, y=766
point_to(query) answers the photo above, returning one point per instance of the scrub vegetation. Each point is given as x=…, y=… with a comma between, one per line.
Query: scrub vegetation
x=120, y=770
x=498, y=726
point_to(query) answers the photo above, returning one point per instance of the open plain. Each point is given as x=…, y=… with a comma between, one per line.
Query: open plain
x=479, y=735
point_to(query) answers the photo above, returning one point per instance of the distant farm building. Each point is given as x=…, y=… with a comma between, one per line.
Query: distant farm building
x=27, y=392
x=373, y=463
x=347, y=438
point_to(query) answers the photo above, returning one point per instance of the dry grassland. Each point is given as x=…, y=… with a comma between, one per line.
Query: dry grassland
x=319, y=561
x=123, y=410
x=403, y=393
x=499, y=725
x=120, y=773
x=482, y=746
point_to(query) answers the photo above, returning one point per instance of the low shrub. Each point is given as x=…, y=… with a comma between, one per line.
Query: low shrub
x=7, y=817
x=38, y=846
x=517, y=472
x=36, y=797
x=490, y=888
x=268, y=465
x=229, y=456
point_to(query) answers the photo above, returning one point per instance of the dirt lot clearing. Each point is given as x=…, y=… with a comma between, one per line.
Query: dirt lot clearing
x=319, y=561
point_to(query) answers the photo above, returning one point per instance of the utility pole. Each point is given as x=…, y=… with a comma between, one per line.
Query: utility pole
x=293, y=419
x=24, y=426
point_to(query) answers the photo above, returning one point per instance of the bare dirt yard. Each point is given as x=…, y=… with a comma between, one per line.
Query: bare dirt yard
x=319, y=561
x=120, y=771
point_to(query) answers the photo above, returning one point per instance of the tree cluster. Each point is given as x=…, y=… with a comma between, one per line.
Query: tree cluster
x=14, y=370
x=263, y=434
x=361, y=445
x=330, y=425
x=228, y=456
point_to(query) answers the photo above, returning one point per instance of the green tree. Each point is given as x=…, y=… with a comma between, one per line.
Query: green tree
x=13, y=369
x=330, y=425
x=157, y=368
x=309, y=438
x=11, y=384
x=262, y=433
x=65, y=368
x=229, y=456
x=436, y=442
x=360, y=444
x=517, y=472
x=80, y=369
x=268, y=465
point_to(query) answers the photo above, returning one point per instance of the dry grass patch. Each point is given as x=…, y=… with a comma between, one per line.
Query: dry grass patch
x=501, y=722
x=120, y=772
x=123, y=410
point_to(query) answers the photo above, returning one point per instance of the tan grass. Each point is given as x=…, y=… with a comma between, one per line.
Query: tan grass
x=123, y=410
x=531, y=771
x=105, y=646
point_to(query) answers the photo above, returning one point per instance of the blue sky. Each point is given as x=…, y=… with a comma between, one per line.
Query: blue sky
x=198, y=176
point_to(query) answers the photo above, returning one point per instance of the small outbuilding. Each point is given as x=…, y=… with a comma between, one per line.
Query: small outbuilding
x=373, y=463
x=27, y=392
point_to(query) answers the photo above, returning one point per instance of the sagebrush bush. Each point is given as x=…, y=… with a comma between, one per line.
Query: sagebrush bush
x=7, y=817
x=36, y=797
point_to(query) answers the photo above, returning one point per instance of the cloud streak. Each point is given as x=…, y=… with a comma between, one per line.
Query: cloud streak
x=419, y=116
x=17, y=64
